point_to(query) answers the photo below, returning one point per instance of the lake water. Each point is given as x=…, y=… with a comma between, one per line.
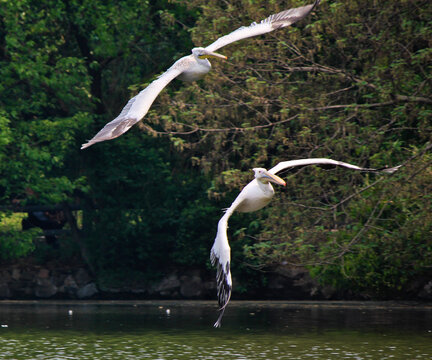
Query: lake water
x=250, y=330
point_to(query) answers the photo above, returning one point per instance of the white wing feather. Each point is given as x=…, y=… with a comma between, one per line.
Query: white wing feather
x=322, y=161
x=138, y=106
x=220, y=257
x=273, y=22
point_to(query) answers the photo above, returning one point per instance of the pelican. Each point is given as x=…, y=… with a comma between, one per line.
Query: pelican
x=254, y=196
x=190, y=68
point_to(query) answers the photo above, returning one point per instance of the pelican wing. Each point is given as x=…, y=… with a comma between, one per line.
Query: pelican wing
x=138, y=106
x=220, y=256
x=326, y=162
x=273, y=22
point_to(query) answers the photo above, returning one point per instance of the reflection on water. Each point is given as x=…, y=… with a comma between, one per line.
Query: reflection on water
x=251, y=330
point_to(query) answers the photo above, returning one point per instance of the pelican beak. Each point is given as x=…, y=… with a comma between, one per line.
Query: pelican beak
x=274, y=179
x=211, y=54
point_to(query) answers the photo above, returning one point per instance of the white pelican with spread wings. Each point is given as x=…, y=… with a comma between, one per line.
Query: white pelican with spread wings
x=254, y=196
x=190, y=68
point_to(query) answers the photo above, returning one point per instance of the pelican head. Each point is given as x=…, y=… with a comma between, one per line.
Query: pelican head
x=202, y=53
x=264, y=176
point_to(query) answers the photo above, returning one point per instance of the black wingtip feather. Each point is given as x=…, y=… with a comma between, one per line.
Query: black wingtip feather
x=218, y=323
x=223, y=287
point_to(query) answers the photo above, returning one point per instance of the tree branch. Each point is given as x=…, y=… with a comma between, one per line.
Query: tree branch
x=210, y=130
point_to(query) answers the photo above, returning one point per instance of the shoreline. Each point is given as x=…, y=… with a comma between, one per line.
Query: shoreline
x=341, y=304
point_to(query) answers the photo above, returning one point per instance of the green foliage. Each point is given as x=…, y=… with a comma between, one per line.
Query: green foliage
x=158, y=217
x=351, y=82
x=393, y=248
x=66, y=68
x=13, y=242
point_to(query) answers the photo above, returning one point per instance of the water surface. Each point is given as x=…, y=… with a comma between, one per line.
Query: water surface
x=250, y=330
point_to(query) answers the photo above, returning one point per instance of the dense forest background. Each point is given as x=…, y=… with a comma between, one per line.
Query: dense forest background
x=351, y=82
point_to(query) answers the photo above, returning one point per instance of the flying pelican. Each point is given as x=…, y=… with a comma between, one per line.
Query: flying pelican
x=253, y=197
x=190, y=68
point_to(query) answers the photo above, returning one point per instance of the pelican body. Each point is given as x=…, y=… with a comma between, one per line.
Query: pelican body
x=259, y=192
x=199, y=65
x=254, y=196
x=190, y=68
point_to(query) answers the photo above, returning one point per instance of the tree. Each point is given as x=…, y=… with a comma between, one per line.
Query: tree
x=351, y=82
x=66, y=68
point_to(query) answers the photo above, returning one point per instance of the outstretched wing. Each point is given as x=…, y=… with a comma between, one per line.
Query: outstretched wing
x=138, y=106
x=326, y=162
x=220, y=257
x=273, y=22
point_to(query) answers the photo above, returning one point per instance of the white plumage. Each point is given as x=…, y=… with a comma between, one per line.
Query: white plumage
x=254, y=196
x=190, y=68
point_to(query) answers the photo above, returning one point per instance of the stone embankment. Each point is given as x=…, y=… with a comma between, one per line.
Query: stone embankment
x=38, y=282
x=30, y=282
